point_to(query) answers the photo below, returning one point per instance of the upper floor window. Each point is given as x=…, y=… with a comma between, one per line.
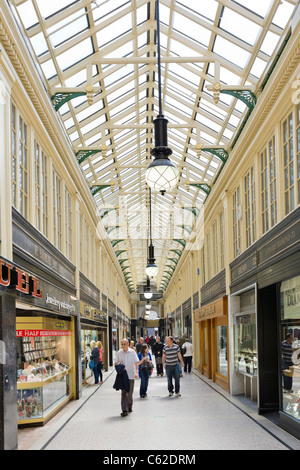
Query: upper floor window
x=236, y=219
x=250, y=212
x=41, y=190
x=19, y=161
x=288, y=163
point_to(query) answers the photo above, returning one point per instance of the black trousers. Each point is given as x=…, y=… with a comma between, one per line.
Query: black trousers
x=187, y=363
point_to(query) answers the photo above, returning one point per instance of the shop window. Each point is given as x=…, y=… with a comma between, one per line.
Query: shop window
x=222, y=358
x=244, y=329
x=86, y=337
x=44, y=365
x=290, y=346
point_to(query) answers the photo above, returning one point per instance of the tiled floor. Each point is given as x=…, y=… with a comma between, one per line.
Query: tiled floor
x=205, y=418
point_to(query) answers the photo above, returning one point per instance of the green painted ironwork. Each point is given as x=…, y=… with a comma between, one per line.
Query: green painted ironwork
x=221, y=153
x=177, y=252
x=104, y=212
x=247, y=96
x=188, y=228
x=115, y=242
x=121, y=261
x=205, y=187
x=110, y=228
x=82, y=155
x=173, y=259
x=118, y=252
x=95, y=189
x=172, y=267
x=182, y=242
x=195, y=211
x=59, y=99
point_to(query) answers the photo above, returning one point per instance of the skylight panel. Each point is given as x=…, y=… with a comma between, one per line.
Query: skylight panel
x=74, y=25
x=207, y=9
x=260, y=7
x=48, y=8
x=49, y=69
x=191, y=29
x=75, y=54
x=114, y=31
x=270, y=42
x=39, y=44
x=28, y=14
x=283, y=14
x=239, y=26
x=258, y=67
x=231, y=52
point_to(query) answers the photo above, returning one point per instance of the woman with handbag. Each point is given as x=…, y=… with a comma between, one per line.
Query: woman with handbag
x=145, y=368
x=100, y=363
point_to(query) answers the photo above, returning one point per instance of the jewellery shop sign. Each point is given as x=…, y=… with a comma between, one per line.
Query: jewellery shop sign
x=34, y=290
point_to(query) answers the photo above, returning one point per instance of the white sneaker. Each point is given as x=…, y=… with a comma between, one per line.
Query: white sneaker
x=170, y=394
x=178, y=394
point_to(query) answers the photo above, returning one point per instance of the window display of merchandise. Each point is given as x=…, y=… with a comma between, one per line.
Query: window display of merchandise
x=290, y=344
x=245, y=352
x=44, y=370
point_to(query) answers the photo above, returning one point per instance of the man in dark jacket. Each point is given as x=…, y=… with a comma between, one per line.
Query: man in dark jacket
x=157, y=350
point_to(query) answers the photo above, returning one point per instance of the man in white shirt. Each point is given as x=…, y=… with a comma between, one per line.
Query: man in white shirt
x=129, y=359
x=188, y=355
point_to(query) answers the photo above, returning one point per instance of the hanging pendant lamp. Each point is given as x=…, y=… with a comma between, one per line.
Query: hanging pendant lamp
x=151, y=268
x=161, y=175
x=147, y=292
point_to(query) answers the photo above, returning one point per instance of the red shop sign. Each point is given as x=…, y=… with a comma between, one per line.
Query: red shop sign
x=42, y=333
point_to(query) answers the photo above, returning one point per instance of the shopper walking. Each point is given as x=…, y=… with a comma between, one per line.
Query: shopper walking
x=144, y=369
x=127, y=357
x=157, y=350
x=100, y=363
x=95, y=357
x=171, y=355
x=188, y=355
x=139, y=344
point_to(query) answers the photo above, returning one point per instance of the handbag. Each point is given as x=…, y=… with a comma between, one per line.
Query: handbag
x=147, y=365
x=91, y=364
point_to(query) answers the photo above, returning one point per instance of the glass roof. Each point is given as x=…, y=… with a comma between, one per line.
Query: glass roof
x=110, y=45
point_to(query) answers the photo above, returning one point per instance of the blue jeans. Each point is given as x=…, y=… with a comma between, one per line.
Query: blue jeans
x=96, y=373
x=144, y=381
x=173, y=371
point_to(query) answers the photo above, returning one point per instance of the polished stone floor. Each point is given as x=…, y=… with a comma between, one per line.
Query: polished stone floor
x=204, y=418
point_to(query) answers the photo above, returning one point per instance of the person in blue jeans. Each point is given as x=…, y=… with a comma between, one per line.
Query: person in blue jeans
x=144, y=372
x=95, y=358
x=171, y=357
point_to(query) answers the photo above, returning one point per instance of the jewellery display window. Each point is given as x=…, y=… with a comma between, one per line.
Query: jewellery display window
x=245, y=352
x=290, y=346
x=44, y=367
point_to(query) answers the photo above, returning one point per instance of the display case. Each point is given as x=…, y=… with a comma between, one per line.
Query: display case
x=44, y=371
x=245, y=352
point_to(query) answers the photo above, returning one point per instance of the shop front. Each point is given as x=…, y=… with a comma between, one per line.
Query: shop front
x=93, y=326
x=212, y=320
x=42, y=283
x=45, y=367
x=264, y=317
